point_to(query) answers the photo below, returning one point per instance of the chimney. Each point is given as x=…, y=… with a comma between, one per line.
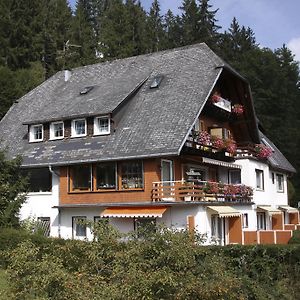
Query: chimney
x=68, y=74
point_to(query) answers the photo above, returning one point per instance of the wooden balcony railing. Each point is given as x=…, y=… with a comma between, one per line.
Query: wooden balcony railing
x=200, y=191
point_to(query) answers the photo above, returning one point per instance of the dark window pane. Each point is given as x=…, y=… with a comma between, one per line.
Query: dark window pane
x=81, y=177
x=79, y=226
x=106, y=176
x=40, y=180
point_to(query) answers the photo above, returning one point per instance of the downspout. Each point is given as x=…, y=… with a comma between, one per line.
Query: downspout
x=58, y=217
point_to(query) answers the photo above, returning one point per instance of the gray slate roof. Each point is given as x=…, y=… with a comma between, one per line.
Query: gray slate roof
x=155, y=123
x=277, y=160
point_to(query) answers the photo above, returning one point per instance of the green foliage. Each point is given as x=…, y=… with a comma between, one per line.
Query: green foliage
x=12, y=191
x=295, y=238
x=165, y=264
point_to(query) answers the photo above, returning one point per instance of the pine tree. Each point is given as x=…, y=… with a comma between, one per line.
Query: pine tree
x=190, y=20
x=83, y=38
x=115, y=33
x=155, y=28
x=136, y=26
x=56, y=31
x=173, y=31
x=208, y=29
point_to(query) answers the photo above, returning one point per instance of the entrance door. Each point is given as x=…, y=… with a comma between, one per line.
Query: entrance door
x=167, y=179
x=218, y=229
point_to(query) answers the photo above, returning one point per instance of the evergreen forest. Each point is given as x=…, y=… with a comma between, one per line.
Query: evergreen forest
x=40, y=37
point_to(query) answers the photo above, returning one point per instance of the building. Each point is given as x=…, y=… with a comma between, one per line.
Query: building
x=169, y=137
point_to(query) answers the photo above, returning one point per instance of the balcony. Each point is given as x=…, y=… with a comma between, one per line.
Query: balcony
x=200, y=191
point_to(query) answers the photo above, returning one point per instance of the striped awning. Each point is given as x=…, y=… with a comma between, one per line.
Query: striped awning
x=220, y=163
x=224, y=211
x=288, y=208
x=134, y=212
x=269, y=209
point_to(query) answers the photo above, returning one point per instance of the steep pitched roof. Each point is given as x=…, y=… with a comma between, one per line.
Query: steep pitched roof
x=277, y=160
x=154, y=123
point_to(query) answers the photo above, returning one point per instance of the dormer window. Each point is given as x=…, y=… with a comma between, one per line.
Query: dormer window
x=78, y=128
x=101, y=125
x=36, y=133
x=56, y=130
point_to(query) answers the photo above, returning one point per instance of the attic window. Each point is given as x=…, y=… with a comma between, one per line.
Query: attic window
x=36, y=133
x=86, y=90
x=156, y=82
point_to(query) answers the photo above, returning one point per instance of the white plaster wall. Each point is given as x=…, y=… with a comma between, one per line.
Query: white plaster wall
x=41, y=205
x=268, y=196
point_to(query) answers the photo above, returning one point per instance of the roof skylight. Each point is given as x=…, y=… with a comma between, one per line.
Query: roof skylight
x=156, y=82
x=86, y=90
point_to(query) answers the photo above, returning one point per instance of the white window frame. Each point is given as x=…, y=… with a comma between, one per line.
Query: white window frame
x=245, y=220
x=75, y=220
x=73, y=131
x=52, y=137
x=261, y=221
x=97, y=128
x=279, y=190
x=261, y=186
x=32, y=139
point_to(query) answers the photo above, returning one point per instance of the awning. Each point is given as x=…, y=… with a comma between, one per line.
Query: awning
x=220, y=163
x=288, y=208
x=134, y=212
x=269, y=209
x=224, y=211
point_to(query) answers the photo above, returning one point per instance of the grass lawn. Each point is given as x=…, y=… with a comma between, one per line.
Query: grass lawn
x=4, y=286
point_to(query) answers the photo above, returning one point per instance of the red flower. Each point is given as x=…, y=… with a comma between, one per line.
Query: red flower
x=238, y=109
x=215, y=98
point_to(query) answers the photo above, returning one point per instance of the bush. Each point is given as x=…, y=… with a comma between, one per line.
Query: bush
x=295, y=239
x=162, y=265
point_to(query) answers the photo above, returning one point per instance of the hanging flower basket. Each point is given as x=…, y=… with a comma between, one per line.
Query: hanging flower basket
x=262, y=151
x=230, y=146
x=218, y=143
x=215, y=98
x=238, y=109
x=204, y=138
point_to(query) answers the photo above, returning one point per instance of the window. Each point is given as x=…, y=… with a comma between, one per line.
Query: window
x=80, y=178
x=40, y=180
x=144, y=226
x=273, y=178
x=106, y=176
x=245, y=220
x=43, y=226
x=78, y=127
x=132, y=175
x=234, y=176
x=222, y=133
x=79, y=228
x=279, y=182
x=101, y=125
x=261, y=221
x=56, y=130
x=36, y=133
x=259, y=179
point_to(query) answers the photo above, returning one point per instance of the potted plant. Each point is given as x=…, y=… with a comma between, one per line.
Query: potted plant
x=238, y=109
x=230, y=146
x=262, y=151
x=215, y=98
x=218, y=143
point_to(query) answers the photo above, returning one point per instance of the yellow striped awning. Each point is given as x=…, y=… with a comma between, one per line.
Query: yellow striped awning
x=288, y=208
x=269, y=209
x=134, y=212
x=224, y=211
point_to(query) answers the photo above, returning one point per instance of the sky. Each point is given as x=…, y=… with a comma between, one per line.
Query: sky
x=274, y=22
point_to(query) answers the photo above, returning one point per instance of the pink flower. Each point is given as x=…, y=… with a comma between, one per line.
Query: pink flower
x=215, y=98
x=262, y=151
x=238, y=109
x=204, y=138
x=218, y=143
